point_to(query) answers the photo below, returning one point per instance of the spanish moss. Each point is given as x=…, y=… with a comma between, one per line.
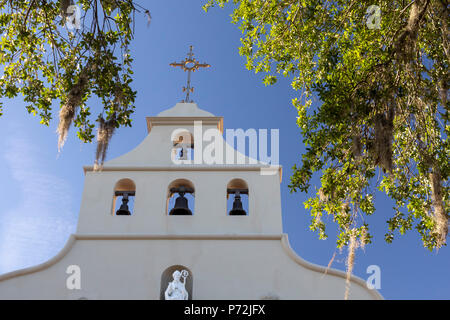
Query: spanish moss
x=104, y=134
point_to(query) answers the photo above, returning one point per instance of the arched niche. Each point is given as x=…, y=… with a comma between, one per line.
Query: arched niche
x=237, y=183
x=171, y=196
x=236, y=187
x=123, y=188
x=167, y=276
x=182, y=146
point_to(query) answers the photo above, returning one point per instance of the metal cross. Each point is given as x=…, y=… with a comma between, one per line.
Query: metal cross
x=189, y=64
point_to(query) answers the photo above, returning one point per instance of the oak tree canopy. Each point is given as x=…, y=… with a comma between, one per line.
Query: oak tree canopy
x=66, y=52
x=380, y=77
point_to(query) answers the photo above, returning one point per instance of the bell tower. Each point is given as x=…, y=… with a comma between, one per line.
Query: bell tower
x=180, y=190
x=185, y=156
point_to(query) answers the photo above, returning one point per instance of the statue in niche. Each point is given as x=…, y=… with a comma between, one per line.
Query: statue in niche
x=176, y=289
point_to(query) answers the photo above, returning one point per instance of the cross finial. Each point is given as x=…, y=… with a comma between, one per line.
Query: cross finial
x=189, y=64
x=190, y=53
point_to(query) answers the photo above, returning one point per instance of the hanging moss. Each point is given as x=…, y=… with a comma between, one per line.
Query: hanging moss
x=356, y=145
x=439, y=216
x=352, y=246
x=66, y=115
x=383, y=137
x=363, y=239
x=443, y=92
x=104, y=134
x=69, y=108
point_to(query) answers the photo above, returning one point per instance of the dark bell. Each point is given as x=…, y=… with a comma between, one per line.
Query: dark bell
x=237, y=206
x=123, y=210
x=181, y=207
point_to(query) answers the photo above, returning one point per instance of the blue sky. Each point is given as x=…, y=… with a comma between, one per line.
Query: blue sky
x=41, y=189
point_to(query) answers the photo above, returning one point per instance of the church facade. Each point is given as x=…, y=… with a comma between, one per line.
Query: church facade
x=133, y=241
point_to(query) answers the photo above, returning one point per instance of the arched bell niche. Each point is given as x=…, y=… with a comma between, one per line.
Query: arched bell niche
x=167, y=277
x=180, y=198
x=123, y=197
x=237, y=198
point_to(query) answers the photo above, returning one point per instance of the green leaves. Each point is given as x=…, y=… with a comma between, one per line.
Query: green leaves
x=269, y=80
x=383, y=111
x=48, y=64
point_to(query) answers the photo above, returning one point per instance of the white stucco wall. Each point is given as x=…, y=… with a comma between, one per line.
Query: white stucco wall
x=150, y=206
x=119, y=268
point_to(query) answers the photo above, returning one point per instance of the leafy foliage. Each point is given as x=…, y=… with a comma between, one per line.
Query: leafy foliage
x=45, y=61
x=383, y=118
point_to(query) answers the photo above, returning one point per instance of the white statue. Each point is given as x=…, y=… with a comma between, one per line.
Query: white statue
x=176, y=289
